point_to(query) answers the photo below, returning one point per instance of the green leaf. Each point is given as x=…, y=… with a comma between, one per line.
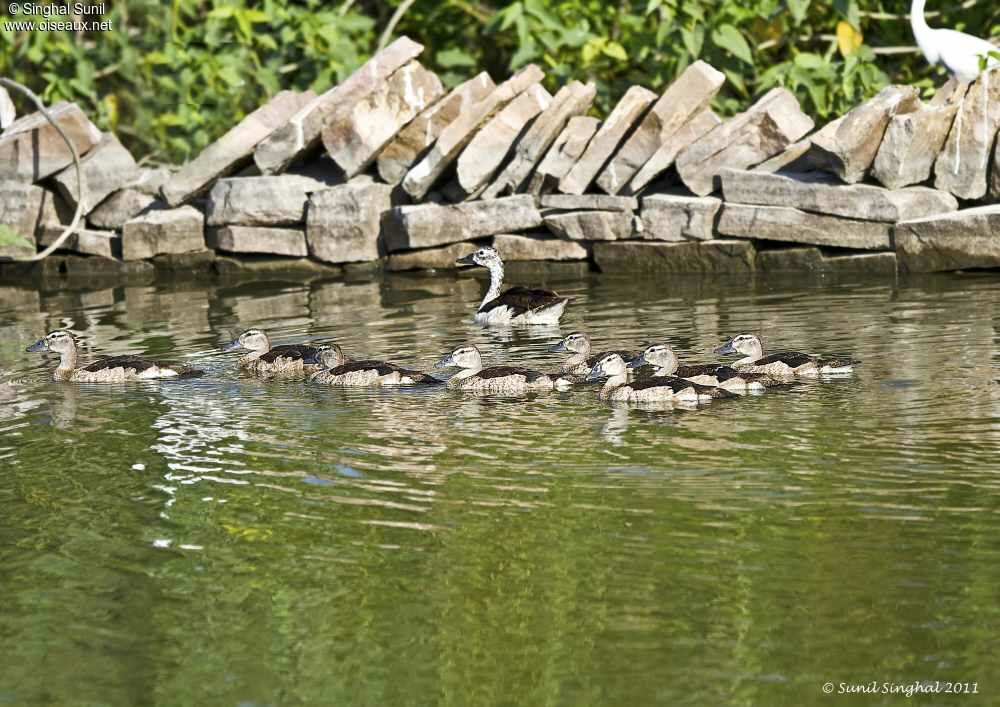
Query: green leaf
x=729, y=38
x=450, y=58
x=694, y=40
x=615, y=51
x=11, y=238
x=799, y=10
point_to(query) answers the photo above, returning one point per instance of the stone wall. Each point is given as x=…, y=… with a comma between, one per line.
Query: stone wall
x=391, y=169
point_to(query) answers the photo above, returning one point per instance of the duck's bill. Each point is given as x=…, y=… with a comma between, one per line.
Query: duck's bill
x=726, y=348
x=559, y=348
x=37, y=346
x=638, y=362
x=595, y=375
x=233, y=345
x=466, y=260
x=446, y=362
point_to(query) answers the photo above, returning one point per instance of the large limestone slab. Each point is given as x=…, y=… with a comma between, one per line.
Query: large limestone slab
x=343, y=224
x=31, y=149
x=587, y=202
x=781, y=223
x=353, y=138
x=962, y=167
x=824, y=194
x=532, y=247
x=686, y=98
x=164, y=232
x=234, y=150
x=84, y=241
x=261, y=201
x=571, y=100
x=106, y=168
x=965, y=239
x=674, y=217
x=645, y=257
x=850, y=150
x=121, y=207
x=440, y=258
x=427, y=225
x=671, y=146
x=591, y=225
x=767, y=128
x=20, y=212
x=602, y=146
x=302, y=131
x=453, y=139
x=487, y=151
x=812, y=259
x=259, y=239
x=410, y=143
x=563, y=154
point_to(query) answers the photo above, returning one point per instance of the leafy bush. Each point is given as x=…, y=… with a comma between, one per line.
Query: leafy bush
x=169, y=79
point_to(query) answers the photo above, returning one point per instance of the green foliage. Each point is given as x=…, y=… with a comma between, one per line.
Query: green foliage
x=170, y=78
x=10, y=237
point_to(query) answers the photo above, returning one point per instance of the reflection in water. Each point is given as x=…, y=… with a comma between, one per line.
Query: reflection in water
x=416, y=546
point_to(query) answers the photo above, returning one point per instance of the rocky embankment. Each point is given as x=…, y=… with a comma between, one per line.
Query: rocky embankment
x=392, y=169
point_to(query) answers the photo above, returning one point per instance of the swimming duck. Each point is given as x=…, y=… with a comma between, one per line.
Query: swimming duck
x=113, y=369
x=517, y=305
x=653, y=389
x=286, y=360
x=339, y=370
x=582, y=361
x=665, y=362
x=786, y=363
x=495, y=379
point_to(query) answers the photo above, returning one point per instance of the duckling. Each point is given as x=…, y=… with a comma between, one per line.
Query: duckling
x=517, y=305
x=114, y=369
x=286, y=360
x=338, y=370
x=786, y=363
x=582, y=360
x=719, y=375
x=495, y=379
x=653, y=389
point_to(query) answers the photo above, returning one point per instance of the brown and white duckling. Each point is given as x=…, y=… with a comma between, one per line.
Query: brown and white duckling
x=495, y=379
x=113, y=369
x=786, y=363
x=517, y=305
x=665, y=362
x=582, y=359
x=653, y=389
x=339, y=370
x=285, y=360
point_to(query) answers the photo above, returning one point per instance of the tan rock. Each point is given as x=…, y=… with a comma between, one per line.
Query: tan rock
x=666, y=154
x=107, y=167
x=563, y=154
x=964, y=239
x=533, y=247
x=31, y=149
x=780, y=223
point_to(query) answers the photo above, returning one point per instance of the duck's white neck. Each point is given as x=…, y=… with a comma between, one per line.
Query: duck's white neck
x=615, y=382
x=922, y=33
x=665, y=370
x=467, y=373
x=67, y=363
x=496, y=281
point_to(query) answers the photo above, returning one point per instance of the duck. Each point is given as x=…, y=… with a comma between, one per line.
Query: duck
x=582, y=360
x=284, y=360
x=785, y=364
x=338, y=370
x=652, y=389
x=516, y=305
x=112, y=369
x=495, y=379
x=719, y=375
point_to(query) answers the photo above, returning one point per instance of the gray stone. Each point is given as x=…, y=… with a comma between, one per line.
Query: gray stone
x=354, y=138
x=150, y=180
x=587, y=202
x=670, y=217
x=912, y=143
x=83, y=241
x=261, y=201
x=644, y=257
x=55, y=211
x=426, y=225
x=965, y=239
x=767, y=128
x=31, y=149
x=591, y=225
x=410, y=143
x=486, y=152
x=571, y=100
x=605, y=142
x=780, y=223
x=665, y=156
x=233, y=150
x=259, y=239
x=120, y=207
x=563, y=154
x=861, y=264
x=440, y=258
x=302, y=131
x=850, y=150
x=685, y=99
x=459, y=132
x=20, y=212
x=343, y=223
x=530, y=247
x=962, y=167
x=806, y=259
x=106, y=168
x=164, y=231
x=790, y=158
x=277, y=267
x=821, y=193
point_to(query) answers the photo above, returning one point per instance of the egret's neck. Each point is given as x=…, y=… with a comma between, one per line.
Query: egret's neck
x=922, y=33
x=496, y=281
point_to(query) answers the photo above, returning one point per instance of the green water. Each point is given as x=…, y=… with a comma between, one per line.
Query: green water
x=224, y=541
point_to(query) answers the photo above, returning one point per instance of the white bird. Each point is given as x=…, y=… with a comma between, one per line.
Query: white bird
x=959, y=52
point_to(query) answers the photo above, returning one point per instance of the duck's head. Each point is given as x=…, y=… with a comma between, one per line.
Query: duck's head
x=609, y=366
x=462, y=357
x=59, y=341
x=250, y=340
x=745, y=344
x=329, y=356
x=659, y=355
x=577, y=342
x=486, y=256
